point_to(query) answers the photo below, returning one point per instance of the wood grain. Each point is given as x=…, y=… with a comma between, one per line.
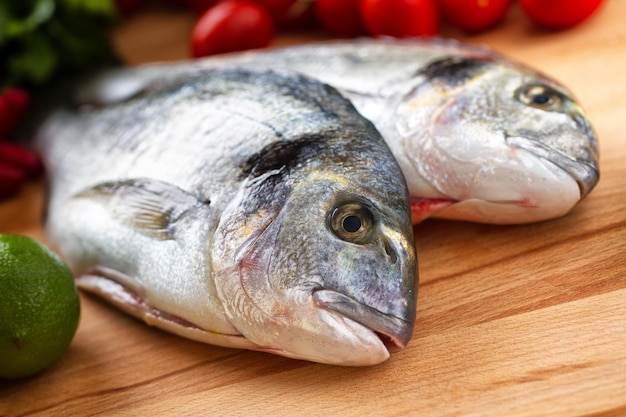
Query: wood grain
x=512, y=320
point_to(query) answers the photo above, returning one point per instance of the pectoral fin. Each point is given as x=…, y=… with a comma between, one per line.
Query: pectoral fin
x=118, y=85
x=148, y=206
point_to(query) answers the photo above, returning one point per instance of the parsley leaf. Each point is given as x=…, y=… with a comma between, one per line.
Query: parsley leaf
x=40, y=38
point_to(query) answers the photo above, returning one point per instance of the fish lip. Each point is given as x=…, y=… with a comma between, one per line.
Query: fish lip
x=586, y=174
x=393, y=331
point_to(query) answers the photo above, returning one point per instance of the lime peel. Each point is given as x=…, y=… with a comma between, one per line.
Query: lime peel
x=39, y=307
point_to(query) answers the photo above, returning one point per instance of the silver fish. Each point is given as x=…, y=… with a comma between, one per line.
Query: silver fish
x=248, y=209
x=479, y=137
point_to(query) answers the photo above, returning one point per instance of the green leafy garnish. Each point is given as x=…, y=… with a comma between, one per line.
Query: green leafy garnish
x=39, y=38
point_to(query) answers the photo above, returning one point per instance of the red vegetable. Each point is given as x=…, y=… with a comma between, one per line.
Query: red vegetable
x=474, y=15
x=233, y=25
x=21, y=158
x=13, y=104
x=11, y=180
x=400, y=18
x=559, y=14
x=340, y=16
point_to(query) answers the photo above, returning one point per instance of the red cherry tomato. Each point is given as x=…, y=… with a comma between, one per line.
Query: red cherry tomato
x=22, y=158
x=400, y=18
x=559, y=14
x=340, y=16
x=474, y=15
x=11, y=180
x=234, y=25
x=14, y=102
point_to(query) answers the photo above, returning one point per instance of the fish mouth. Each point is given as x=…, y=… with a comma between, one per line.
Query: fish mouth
x=393, y=331
x=585, y=173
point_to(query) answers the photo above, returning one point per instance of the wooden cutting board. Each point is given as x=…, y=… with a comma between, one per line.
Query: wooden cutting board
x=512, y=320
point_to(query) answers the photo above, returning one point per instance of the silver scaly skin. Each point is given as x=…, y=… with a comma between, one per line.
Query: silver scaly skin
x=479, y=137
x=248, y=209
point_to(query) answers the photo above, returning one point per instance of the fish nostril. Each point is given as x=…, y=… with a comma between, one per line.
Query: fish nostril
x=393, y=258
x=582, y=124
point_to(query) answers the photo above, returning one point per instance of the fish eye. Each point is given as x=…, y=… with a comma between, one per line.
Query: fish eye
x=352, y=222
x=539, y=96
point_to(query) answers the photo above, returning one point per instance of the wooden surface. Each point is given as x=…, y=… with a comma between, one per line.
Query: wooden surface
x=513, y=320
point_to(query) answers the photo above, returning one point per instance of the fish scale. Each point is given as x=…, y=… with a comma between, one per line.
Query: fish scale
x=210, y=205
x=429, y=99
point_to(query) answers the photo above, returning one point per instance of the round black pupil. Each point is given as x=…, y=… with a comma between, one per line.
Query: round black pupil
x=351, y=224
x=541, y=98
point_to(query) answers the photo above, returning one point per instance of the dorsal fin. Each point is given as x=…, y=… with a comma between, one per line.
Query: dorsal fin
x=110, y=87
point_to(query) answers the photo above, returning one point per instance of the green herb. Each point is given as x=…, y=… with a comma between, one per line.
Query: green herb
x=39, y=38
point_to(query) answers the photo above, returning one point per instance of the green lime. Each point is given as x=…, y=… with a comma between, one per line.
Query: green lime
x=39, y=307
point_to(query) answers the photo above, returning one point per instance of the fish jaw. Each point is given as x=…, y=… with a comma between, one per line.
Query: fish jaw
x=498, y=159
x=314, y=324
x=395, y=331
x=585, y=173
x=309, y=321
x=537, y=191
x=497, y=183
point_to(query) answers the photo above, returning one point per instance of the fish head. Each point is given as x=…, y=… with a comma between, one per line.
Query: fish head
x=505, y=142
x=320, y=263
